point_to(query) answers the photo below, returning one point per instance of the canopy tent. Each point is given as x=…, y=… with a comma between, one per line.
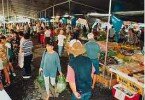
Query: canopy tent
x=47, y=8
x=44, y=8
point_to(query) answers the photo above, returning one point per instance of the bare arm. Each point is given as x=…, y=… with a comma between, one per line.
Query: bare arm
x=71, y=80
x=73, y=87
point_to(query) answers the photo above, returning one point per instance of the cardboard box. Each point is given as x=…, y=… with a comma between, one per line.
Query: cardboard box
x=105, y=80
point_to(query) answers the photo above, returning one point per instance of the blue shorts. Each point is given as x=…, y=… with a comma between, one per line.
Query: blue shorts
x=96, y=65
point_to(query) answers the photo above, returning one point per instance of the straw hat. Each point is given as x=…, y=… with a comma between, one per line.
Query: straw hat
x=77, y=49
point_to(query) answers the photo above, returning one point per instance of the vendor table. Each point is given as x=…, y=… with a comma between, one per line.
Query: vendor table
x=113, y=69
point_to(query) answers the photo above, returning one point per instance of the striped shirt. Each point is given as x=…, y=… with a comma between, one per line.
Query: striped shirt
x=27, y=47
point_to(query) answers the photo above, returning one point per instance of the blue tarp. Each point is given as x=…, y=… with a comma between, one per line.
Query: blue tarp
x=117, y=24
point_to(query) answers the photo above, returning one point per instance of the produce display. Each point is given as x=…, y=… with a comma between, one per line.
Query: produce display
x=131, y=68
x=111, y=45
x=110, y=61
x=139, y=77
x=110, y=58
x=101, y=36
x=138, y=57
x=127, y=60
x=127, y=52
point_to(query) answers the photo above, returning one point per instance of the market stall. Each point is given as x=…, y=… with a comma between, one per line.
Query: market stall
x=124, y=72
x=130, y=76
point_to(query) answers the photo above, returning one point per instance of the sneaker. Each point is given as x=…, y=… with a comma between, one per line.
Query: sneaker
x=14, y=74
x=26, y=77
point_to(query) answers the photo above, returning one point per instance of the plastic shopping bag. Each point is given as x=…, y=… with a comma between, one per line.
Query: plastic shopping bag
x=61, y=84
x=4, y=95
x=21, y=60
x=40, y=80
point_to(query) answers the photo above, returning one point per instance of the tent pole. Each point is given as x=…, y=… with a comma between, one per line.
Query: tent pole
x=8, y=9
x=3, y=15
x=45, y=17
x=106, y=53
x=40, y=16
x=69, y=6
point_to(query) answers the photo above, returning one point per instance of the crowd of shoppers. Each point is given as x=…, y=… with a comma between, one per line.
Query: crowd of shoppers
x=83, y=56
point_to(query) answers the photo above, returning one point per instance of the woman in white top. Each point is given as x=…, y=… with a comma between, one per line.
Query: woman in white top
x=21, y=54
x=61, y=38
x=21, y=35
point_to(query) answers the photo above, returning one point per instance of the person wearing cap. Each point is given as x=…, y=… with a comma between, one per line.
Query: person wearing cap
x=79, y=73
x=50, y=63
x=93, y=52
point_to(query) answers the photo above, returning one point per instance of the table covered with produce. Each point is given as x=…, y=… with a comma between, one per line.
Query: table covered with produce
x=124, y=70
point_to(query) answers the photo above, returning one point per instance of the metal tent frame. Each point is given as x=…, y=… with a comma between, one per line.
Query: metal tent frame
x=72, y=1
x=69, y=3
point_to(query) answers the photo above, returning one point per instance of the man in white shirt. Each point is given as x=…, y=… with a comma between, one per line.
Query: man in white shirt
x=61, y=38
x=47, y=34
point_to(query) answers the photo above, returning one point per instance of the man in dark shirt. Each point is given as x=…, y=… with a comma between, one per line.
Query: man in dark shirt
x=79, y=73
